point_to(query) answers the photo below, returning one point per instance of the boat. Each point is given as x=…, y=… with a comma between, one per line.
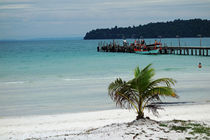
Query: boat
x=148, y=49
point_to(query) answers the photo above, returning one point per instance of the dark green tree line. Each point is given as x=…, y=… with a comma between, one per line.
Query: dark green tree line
x=183, y=28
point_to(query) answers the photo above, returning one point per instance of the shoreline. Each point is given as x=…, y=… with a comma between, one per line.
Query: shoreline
x=43, y=126
x=162, y=104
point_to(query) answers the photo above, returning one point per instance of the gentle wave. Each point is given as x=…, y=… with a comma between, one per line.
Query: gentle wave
x=15, y=82
x=79, y=79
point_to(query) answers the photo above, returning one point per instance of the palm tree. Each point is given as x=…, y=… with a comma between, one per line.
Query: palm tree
x=141, y=92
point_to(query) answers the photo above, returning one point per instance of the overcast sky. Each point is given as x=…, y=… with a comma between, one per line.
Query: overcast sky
x=26, y=19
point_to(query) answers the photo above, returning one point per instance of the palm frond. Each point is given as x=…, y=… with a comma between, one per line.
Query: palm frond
x=167, y=81
x=136, y=72
x=162, y=81
x=123, y=94
x=164, y=91
x=153, y=107
x=150, y=100
x=146, y=68
x=144, y=78
x=114, y=86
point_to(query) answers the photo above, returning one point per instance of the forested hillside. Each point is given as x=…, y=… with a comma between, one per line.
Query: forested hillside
x=170, y=29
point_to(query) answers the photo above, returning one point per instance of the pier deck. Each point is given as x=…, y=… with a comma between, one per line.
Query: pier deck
x=200, y=51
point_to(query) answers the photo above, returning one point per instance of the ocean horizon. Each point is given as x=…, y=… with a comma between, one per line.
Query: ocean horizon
x=46, y=76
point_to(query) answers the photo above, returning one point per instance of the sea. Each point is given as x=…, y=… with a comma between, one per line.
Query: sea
x=41, y=77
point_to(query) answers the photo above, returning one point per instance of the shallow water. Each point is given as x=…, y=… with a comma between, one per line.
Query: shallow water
x=59, y=76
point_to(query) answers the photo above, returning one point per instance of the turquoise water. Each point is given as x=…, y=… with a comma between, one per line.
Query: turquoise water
x=60, y=76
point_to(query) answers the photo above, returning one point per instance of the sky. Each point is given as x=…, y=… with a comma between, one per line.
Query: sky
x=30, y=19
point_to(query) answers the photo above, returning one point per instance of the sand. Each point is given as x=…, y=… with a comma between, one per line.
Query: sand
x=108, y=124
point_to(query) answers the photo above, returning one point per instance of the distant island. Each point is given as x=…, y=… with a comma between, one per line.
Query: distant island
x=170, y=29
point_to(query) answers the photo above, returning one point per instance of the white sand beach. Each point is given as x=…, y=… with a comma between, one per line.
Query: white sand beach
x=108, y=124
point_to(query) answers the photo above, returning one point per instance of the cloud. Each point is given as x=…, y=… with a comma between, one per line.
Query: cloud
x=40, y=17
x=14, y=6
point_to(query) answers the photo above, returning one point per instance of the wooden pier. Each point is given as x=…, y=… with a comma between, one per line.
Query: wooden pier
x=199, y=51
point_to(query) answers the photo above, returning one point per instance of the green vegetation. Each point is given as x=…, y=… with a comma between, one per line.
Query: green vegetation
x=201, y=130
x=142, y=91
x=180, y=128
x=163, y=125
x=180, y=121
x=191, y=128
x=90, y=130
x=194, y=124
x=183, y=28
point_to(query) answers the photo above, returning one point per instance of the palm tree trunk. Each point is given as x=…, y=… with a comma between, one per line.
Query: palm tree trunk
x=140, y=115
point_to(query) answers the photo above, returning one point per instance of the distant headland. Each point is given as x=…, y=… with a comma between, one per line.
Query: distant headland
x=170, y=29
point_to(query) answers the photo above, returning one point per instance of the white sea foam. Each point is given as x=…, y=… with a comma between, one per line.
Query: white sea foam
x=15, y=82
x=88, y=78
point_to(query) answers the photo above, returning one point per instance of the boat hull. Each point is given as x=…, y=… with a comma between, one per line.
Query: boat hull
x=155, y=51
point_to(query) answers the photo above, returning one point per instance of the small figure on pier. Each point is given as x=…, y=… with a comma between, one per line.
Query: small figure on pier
x=138, y=41
x=142, y=42
x=199, y=65
x=124, y=42
x=155, y=43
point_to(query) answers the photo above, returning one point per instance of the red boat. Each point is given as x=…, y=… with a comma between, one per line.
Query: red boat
x=147, y=49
